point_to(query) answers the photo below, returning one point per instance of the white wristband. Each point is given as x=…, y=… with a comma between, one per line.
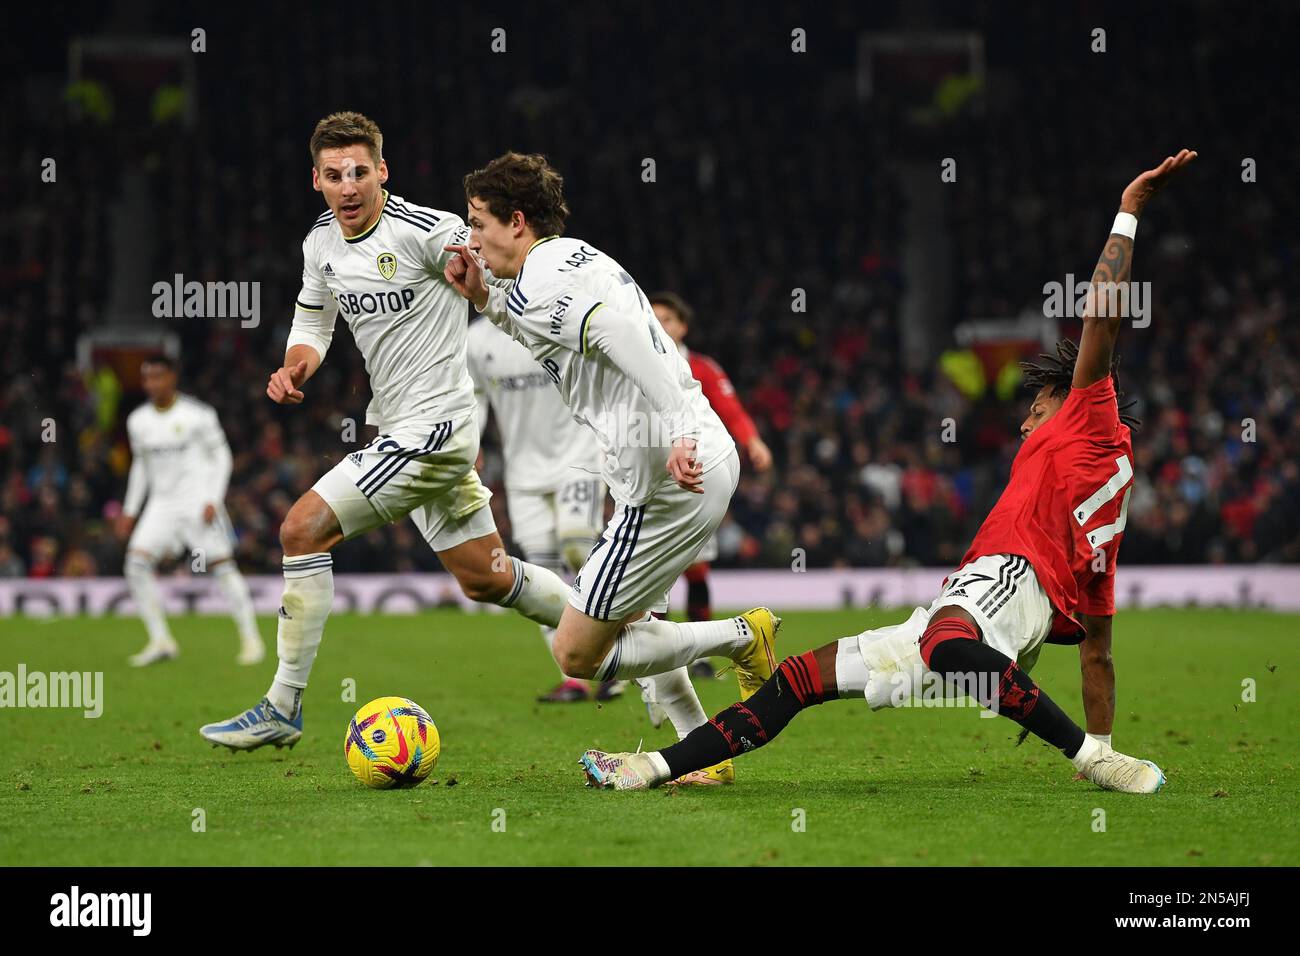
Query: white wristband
x=1126, y=224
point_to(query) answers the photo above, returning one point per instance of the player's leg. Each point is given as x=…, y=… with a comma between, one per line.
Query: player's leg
x=953, y=646
x=671, y=696
x=151, y=540
x=473, y=552
x=698, y=602
x=830, y=672
x=586, y=646
x=395, y=475
x=142, y=579
x=582, y=639
x=533, y=526
x=311, y=529
x=454, y=517
x=427, y=472
x=598, y=647
x=217, y=539
x=643, y=551
x=880, y=665
x=698, y=606
x=665, y=695
x=240, y=602
x=579, y=517
x=992, y=614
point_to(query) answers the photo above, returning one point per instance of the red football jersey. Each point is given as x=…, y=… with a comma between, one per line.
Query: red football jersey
x=721, y=394
x=1066, y=504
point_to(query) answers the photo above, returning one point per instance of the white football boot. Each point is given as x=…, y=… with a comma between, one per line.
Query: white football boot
x=619, y=771
x=1112, y=770
x=251, y=652
x=154, y=652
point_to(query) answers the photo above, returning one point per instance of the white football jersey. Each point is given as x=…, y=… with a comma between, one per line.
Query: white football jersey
x=408, y=322
x=561, y=287
x=179, y=457
x=543, y=444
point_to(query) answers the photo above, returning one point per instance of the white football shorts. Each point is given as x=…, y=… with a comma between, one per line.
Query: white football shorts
x=645, y=548
x=710, y=550
x=165, y=531
x=424, y=469
x=558, y=525
x=1000, y=591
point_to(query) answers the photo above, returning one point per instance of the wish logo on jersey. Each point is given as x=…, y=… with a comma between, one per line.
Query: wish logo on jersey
x=556, y=318
x=353, y=304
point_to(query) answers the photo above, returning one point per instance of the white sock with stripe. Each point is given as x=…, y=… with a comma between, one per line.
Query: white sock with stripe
x=538, y=594
x=304, y=607
x=239, y=600
x=651, y=646
x=675, y=693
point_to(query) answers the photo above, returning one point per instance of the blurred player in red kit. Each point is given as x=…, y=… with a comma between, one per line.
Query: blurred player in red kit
x=675, y=315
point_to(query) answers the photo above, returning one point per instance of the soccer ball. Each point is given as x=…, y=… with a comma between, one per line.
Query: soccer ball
x=391, y=742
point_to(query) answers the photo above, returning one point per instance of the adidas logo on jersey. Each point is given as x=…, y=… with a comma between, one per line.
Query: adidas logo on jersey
x=328, y=271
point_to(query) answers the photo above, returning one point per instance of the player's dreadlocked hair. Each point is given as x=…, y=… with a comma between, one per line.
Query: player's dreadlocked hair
x=1057, y=372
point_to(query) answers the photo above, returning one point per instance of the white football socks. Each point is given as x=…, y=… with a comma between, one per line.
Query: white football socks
x=538, y=594
x=1087, y=753
x=142, y=581
x=660, y=765
x=653, y=646
x=304, y=607
x=675, y=693
x=239, y=600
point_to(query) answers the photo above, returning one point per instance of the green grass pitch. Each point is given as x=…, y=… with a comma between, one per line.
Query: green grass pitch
x=907, y=787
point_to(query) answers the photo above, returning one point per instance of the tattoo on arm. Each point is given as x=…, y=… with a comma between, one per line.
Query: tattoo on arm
x=1113, y=269
x=1105, y=306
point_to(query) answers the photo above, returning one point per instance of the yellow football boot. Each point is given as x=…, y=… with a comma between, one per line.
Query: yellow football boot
x=717, y=775
x=758, y=662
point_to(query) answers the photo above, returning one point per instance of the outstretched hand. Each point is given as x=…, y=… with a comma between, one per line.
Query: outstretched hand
x=1140, y=190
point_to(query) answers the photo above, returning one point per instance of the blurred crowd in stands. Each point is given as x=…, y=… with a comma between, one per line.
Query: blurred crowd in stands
x=771, y=174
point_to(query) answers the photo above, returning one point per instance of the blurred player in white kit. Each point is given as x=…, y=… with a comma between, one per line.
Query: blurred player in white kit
x=181, y=463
